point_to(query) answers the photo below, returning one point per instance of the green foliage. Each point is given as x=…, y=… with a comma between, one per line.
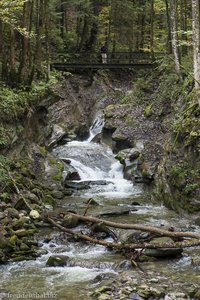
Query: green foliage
x=187, y=126
x=4, y=139
x=5, y=179
x=148, y=110
x=14, y=103
x=185, y=178
x=11, y=13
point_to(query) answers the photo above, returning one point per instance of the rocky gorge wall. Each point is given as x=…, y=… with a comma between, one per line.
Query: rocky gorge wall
x=151, y=124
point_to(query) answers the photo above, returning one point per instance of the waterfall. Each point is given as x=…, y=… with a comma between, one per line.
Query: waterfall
x=95, y=162
x=96, y=127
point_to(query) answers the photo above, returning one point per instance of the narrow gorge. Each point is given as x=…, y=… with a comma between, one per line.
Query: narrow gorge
x=101, y=142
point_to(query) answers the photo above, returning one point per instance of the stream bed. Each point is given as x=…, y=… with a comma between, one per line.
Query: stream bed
x=118, y=200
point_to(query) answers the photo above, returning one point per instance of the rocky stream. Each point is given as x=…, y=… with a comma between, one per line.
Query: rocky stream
x=98, y=273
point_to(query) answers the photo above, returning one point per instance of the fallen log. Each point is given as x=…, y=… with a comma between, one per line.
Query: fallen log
x=122, y=245
x=161, y=232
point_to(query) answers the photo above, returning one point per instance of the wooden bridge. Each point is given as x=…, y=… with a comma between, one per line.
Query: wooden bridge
x=93, y=60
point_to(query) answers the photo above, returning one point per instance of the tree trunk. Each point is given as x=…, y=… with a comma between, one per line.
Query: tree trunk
x=152, y=27
x=1, y=47
x=84, y=33
x=142, y=24
x=12, y=65
x=136, y=245
x=183, y=11
x=39, y=32
x=196, y=54
x=94, y=29
x=173, y=14
x=24, y=69
x=63, y=19
x=46, y=13
x=169, y=40
x=4, y=55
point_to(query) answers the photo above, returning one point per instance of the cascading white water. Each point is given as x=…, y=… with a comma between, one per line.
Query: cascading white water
x=96, y=127
x=95, y=162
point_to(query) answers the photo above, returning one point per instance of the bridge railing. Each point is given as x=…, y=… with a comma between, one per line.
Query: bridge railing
x=112, y=58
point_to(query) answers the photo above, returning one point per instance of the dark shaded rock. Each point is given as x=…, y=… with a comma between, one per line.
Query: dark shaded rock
x=135, y=203
x=82, y=132
x=21, y=204
x=163, y=252
x=68, y=192
x=72, y=175
x=134, y=154
x=116, y=212
x=120, y=143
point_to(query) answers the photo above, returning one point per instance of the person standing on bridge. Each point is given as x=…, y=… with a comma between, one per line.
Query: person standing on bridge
x=104, y=51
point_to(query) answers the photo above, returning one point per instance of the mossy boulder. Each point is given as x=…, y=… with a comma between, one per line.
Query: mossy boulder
x=163, y=252
x=2, y=215
x=5, y=243
x=33, y=198
x=57, y=194
x=25, y=232
x=13, y=213
x=76, y=185
x=130, y=154
x=57, y=261
x=70, y=221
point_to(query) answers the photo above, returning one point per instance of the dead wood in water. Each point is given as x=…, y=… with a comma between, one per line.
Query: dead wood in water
x=137, y=245
x=160, y=232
